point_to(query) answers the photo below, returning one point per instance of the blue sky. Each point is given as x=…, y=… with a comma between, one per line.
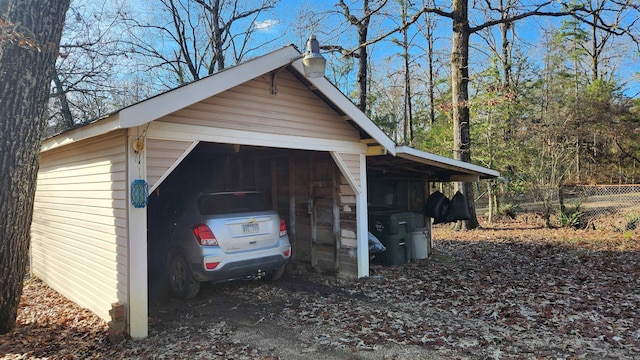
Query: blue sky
x=284, y=19
x=285, y=25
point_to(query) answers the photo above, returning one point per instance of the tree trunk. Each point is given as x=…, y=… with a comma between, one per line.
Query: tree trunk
x=217, y=41
x=65, y=109
x=460, y=98
x=363, y=64
x=595, y=49
x=490, y=197
x=432, y=96
x=408, y=111
x=506, y=46
x=27, y=58
x=430, y=64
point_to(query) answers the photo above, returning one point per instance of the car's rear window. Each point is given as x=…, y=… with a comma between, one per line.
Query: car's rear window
x=228, y=203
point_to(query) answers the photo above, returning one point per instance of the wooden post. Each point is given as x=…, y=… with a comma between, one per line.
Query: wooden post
x=137, y=228
x=427, y=220
x=292, y=206
x=336, y=219
x=362, y=221
x=274, y=185
x=312, y=214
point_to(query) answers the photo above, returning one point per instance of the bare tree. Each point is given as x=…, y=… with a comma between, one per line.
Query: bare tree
x=30, y=32
x=90, y=50
x=360, y=52
x=408, y=104
x=197, y=36
x=428, y=30
x=462, y=29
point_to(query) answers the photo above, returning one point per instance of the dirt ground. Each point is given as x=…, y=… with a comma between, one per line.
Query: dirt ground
x=509, y=291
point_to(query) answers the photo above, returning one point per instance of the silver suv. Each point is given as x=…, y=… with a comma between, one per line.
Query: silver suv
x=224, y=236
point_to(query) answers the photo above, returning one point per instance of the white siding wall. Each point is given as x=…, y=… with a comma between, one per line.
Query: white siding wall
x=163, y=156
x=352, y=161
x=295, y=110
x=79, y=231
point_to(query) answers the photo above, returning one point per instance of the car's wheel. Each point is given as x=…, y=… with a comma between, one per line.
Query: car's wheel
x=275, y=274
x=183, y=284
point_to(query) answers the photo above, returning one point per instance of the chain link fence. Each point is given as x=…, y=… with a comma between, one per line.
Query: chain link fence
x=616, y=206
x=613, y=207
x=603, y=199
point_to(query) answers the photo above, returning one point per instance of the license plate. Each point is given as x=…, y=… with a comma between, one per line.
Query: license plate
x=250, y=229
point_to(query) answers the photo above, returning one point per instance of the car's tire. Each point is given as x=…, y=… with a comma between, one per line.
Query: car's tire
x=275, y=274
x=183, y=284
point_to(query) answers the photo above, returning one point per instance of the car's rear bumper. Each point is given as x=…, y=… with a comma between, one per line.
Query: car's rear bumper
x=240, y=269
x=233, y=265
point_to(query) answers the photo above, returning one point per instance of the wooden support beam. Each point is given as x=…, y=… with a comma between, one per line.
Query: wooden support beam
x=138, y=303
x=362, y=222
x=376, y=150
x=464, y=178
x=336, y=219
x=274, y=185
x=291, y=229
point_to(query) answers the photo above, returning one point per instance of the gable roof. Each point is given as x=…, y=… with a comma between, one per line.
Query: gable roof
x=168, y=102
x=173, y=100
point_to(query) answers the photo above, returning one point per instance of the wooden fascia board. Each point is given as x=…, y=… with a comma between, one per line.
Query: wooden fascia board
x=99, y=127
x=174, y=100
x=349, y=108
x=445, y=163
x=171, y=131
x=463, y=178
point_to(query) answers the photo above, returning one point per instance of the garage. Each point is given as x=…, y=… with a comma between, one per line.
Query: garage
x=260, y=125
x=302, y=186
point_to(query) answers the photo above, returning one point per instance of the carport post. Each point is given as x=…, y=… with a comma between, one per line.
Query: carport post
x=362, y=221
x=137, y=304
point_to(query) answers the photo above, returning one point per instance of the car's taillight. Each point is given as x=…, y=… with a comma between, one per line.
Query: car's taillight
x=287, y=252
x=204, y=235
x=211, y=265
x=283, y=228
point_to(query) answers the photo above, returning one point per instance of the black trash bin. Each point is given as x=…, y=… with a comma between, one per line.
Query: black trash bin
x=393, y=229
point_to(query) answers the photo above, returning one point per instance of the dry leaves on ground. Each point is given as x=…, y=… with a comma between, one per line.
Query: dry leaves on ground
x=510, y=291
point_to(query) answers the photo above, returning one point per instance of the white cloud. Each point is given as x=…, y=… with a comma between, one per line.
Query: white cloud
x=266, y=25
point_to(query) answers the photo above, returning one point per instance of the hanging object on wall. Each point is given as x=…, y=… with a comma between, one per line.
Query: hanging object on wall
x=139, y=193
x=443, y=210
x=434, y=202
x=458, y=210
x=138, y=145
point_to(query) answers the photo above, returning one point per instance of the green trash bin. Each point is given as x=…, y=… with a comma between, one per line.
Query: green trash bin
x=393, y=229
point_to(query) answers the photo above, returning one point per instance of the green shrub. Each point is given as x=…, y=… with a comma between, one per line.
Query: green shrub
x=571, y=217
x=510, y=210
x=633, y=221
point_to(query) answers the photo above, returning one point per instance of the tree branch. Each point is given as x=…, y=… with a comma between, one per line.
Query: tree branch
x=411, y=21
x=628, y=154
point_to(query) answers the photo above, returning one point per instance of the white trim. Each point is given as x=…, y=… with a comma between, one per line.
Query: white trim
x=97, y=128
x=171, y=131
x=423, y=157
x=138, y=307
x=345, y=171
x=362, y=221
x=174, y=100
x=175, y=164
x=349, y=108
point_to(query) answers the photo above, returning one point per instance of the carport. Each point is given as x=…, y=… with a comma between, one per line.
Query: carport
x=301, y=139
